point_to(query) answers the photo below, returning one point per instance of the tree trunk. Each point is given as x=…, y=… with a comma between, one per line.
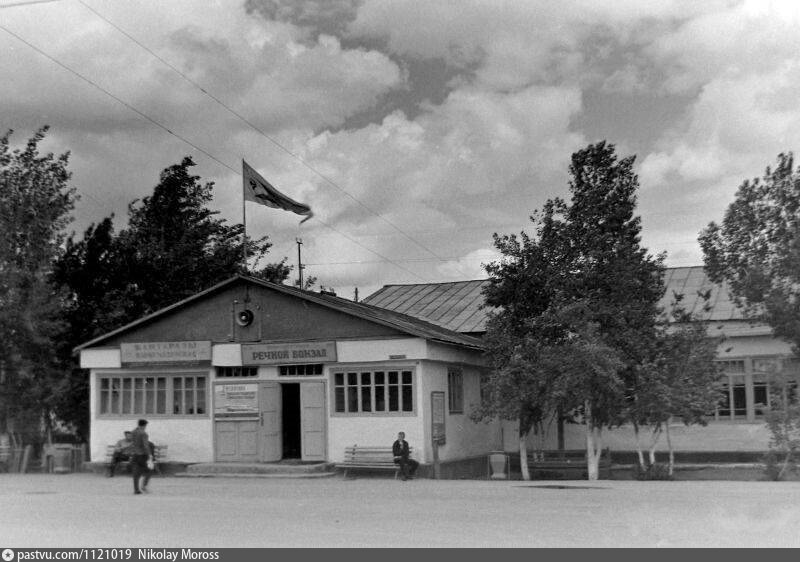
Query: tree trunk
x=669, y=448
x=639, y=452
x=560, y=428
x=523, y=456
x=594, y=445
x=655, y=437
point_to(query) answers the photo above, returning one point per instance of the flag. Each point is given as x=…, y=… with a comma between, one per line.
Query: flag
x=259, y=190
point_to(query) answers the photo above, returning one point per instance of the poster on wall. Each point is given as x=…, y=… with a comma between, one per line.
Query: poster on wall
x=437, y=417
x=236, y=400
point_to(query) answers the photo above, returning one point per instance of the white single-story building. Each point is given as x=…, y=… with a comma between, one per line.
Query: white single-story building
x=250, y=371
x=749, y=355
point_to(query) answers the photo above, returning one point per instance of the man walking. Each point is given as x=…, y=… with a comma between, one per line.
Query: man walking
x=141, y=455
x=408, y=466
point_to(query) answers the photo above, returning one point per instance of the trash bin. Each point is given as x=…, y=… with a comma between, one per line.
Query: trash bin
x=498, y=466
x=61, y=459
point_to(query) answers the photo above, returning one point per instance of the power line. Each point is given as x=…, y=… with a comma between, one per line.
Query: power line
x=256, y=128
x=15, y=4
x=185, y=140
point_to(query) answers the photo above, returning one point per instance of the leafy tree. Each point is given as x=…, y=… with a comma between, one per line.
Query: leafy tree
x=172, y=248
x=783, y=421
x=583, y=253
x=681, y=380
x=756, y=249
x=35, y=205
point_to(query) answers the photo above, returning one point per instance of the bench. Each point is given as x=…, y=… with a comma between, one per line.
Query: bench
x=563, y=462
x=373, y=458
x=159, y=456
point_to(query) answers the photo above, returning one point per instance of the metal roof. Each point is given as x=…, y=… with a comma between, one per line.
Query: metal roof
x=410, y=325
x=458, y=306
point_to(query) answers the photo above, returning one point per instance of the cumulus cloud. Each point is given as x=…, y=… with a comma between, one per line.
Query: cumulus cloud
x=415, y=128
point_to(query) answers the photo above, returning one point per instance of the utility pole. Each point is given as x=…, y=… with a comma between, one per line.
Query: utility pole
x=299, y=264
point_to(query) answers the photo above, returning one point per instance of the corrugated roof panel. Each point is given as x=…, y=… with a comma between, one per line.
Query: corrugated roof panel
x=470, y=299
x=457, y=306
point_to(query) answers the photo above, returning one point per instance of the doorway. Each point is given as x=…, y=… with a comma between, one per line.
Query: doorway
x=291, y=426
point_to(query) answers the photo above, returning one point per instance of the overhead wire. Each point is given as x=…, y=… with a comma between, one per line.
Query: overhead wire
x=182, y=138
x=258, y=129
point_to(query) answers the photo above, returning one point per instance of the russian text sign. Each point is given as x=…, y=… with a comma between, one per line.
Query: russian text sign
x=287, y=353
x=165, y=352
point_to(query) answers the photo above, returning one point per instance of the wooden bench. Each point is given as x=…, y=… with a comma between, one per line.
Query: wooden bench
x=159, y=456
x=566, y=461
x=373, y=458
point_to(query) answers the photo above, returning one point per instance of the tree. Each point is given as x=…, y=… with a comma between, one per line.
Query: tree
x=756, y=249
x=681, y=380
x=173, y=247
x=35, y=205
x=584, y=253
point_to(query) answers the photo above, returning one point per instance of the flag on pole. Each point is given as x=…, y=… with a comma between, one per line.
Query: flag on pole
x=259, y=190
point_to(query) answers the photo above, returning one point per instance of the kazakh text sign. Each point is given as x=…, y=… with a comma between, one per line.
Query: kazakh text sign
x=166, y=352
x=286, y=353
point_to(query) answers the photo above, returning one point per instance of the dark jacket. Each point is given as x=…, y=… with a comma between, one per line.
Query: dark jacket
x=141, y=443
x=400, y=449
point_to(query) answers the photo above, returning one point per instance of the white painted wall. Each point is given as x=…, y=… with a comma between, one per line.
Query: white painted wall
x=379, y=350
x=464, y=438
x=188, y=439
x=101, y=358
x=226, y=354
x=716, y=436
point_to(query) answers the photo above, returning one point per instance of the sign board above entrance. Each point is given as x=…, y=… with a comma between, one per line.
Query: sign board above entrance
x=166, y=352
x=287, y=353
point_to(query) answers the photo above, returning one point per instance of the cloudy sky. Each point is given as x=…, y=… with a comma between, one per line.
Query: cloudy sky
x=414, y=128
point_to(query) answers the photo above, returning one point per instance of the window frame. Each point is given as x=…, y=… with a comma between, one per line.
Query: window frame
x=355, y=387
x=105, y=401
x=455, y=390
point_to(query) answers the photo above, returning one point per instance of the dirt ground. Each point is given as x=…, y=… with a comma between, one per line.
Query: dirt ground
x=87, y=510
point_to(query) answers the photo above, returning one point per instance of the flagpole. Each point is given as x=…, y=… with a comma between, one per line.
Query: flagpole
x=244, y=222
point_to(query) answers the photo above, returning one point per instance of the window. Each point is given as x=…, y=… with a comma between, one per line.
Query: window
x=733, y=403
x=149, y=394
x=223, y=372
x=455, y=390
x=373, y=392
x=300, y=370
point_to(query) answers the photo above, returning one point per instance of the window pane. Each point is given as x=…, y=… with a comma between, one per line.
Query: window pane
x=352, y=378
x=365, y=379
x=760, y=397
x=392, y=377
x=380, y=399
x=127, y=395
x=161, y=395
x=115, y=397
x=406, y=377
x=379, y=378
x=149, y=395
x=366, y=398
x=394, y=402
x=408, y=400
x=352, y=399
x=138, y=395
x=739, y=400
x=725, y=402
x=338, y=378
x=338, y=398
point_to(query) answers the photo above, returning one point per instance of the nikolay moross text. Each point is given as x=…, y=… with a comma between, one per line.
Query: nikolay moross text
x=174, y=554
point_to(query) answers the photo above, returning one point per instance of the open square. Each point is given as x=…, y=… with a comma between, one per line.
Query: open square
x=86, y=510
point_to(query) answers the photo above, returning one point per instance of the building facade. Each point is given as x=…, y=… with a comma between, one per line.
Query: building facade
x=250, y=371
x=751, y=359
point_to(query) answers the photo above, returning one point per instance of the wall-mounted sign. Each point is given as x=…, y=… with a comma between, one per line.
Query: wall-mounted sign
x=437, y=417
x=165, y=352
x=287, y=353
x=235, y=400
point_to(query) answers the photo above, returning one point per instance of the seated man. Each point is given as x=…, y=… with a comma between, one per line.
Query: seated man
x=408, y=466
x=122, y=452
